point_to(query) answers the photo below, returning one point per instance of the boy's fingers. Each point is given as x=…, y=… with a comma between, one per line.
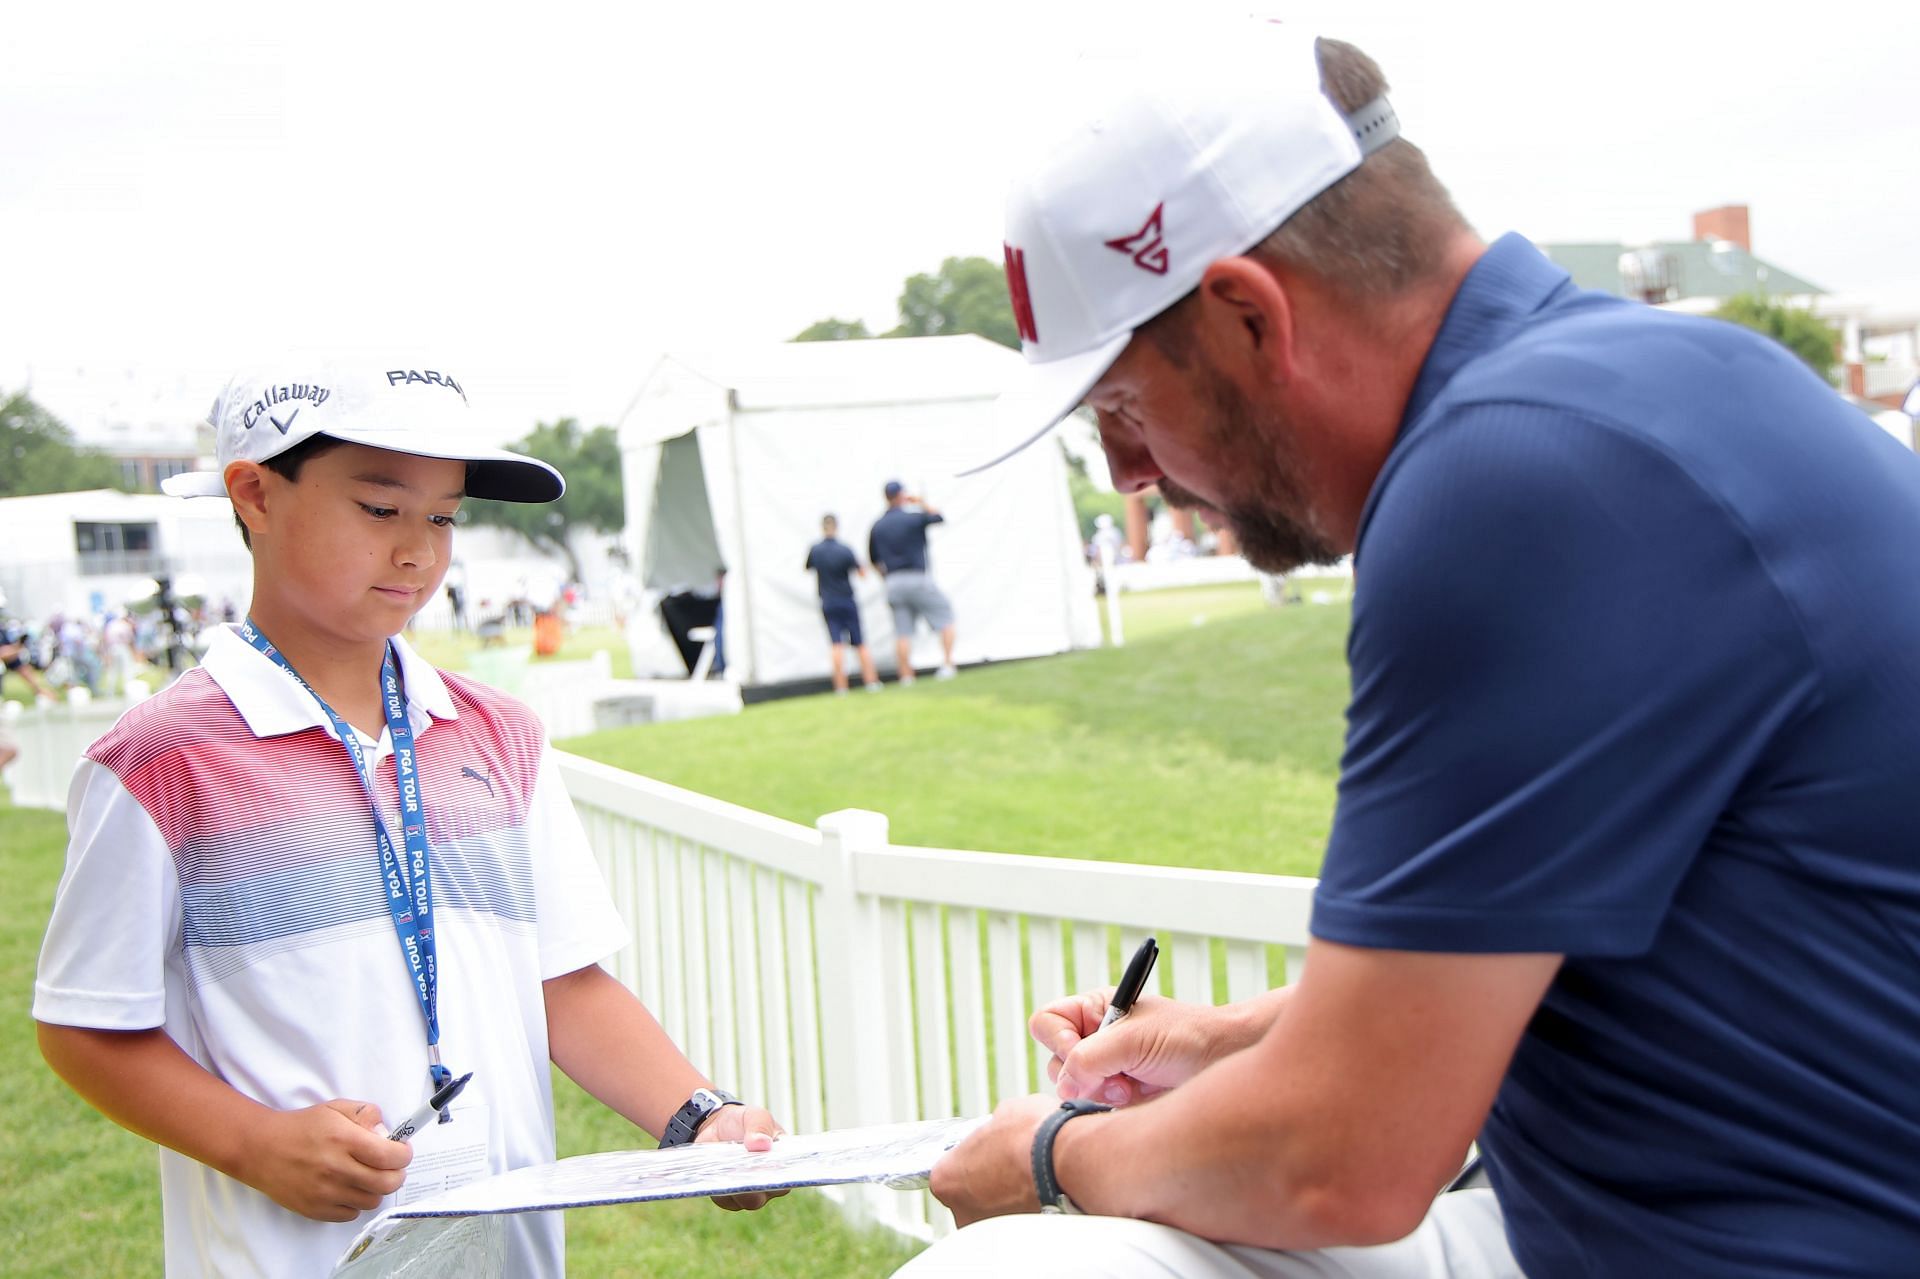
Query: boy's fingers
x=364, y=1114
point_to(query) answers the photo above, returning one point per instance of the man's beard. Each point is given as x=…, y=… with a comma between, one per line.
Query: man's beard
x=1255, y=448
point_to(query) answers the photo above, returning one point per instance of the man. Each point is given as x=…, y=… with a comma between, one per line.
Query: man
x=834, y=566
x=1622, y=879
x=897, y=546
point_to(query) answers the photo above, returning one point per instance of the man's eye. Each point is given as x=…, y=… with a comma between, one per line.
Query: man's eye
x=444, y=521
x=378, y=512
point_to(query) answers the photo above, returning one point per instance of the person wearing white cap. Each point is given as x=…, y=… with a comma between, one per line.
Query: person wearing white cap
x=1621, y=879
x=317, y=882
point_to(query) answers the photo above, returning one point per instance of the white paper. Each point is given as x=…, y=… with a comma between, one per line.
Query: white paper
x=408, y=1239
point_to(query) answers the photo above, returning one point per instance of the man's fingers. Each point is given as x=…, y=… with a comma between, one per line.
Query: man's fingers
x=1058, y=1025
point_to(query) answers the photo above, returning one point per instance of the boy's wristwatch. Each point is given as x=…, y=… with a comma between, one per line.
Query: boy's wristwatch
x=686, y=1121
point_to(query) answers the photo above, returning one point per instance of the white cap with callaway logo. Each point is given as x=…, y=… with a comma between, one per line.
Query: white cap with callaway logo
x=1186, y=155
x=262, y=413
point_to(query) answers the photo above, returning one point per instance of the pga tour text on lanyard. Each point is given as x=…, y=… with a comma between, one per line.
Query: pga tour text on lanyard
x=408, y=882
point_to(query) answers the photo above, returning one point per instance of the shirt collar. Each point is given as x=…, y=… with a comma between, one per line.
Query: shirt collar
x=274, y=705
x=1511, y=281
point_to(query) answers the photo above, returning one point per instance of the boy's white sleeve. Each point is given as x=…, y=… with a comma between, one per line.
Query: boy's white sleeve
x=116, y=914
x=578, y=924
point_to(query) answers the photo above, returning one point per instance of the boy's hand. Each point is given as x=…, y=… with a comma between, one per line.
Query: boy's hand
x=330, y=1162
x=753, y=1127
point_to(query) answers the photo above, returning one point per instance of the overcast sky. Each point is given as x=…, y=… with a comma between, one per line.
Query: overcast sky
x=544, y=203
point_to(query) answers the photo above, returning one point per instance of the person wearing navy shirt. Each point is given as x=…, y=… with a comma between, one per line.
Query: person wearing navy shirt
x=1623, y=879
x=897, y=546
x=834, y=566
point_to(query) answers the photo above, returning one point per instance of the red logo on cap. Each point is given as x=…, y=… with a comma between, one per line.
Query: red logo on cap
x=1017, y=288
x=1145, y=247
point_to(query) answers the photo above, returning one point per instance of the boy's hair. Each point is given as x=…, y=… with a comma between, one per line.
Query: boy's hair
x=287, y=466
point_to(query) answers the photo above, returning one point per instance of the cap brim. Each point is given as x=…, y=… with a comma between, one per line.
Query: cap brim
x=497, y=475
x=1048, y=394
x=194, y=484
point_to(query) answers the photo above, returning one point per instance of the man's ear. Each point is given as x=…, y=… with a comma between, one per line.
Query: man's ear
x=1249, y=317
x=247, y=486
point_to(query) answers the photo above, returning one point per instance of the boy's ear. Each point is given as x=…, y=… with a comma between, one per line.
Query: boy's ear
x=247, y=487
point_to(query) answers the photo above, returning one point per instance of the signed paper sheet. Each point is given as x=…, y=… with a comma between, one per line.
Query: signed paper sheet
x=448, y=1233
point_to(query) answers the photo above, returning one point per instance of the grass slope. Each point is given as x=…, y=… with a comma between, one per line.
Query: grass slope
x=1212, y=745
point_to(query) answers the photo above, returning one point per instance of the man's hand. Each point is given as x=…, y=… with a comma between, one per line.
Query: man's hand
x=990, y=1174
x=754, y=1128
x=1161, y=1044
x=330, y=1162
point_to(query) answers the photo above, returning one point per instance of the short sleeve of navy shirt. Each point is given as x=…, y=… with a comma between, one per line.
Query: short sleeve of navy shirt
x=1633, y=681
x=833, y=562
x=898, y=541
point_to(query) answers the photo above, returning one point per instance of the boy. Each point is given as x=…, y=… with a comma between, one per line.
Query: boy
x=832, y=563
x=245, y=965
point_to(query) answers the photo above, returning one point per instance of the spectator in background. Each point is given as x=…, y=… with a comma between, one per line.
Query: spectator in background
x=116, y=643
x=457, y=598
x=835, y=566
x=897, y=546
x=1108, y=537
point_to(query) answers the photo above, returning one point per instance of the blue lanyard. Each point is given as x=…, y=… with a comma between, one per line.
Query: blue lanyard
x=408, y=882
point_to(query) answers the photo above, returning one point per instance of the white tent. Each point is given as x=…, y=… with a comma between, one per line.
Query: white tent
x=731, y=459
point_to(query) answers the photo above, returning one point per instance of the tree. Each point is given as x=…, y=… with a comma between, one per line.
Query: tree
x=1794, y=327
x=966, y=295
x=38, y=454
x=594, y=499
x=1090, y=499
x=833, y=329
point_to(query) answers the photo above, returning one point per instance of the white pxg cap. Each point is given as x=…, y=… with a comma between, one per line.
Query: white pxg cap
x=262, y=413
x=1191, y=154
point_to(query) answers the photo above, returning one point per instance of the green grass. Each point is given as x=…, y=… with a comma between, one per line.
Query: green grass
x=78, y=1196
x=452, y=651
x=1211, y=740
x=1213, y=745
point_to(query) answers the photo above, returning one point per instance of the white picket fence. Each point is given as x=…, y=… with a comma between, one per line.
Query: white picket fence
x=847, y=981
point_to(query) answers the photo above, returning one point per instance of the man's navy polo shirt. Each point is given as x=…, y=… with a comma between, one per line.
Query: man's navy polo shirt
x=834, y=563
x=1636, y=679
x=898, y=541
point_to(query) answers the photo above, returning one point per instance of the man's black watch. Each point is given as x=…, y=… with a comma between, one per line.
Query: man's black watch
x=1052, y=1198
x=686, y=1121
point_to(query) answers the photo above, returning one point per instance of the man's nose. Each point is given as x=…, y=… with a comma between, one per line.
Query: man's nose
x=1129, y=462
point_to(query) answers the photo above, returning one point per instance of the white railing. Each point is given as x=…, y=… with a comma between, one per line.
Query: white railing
x=847, y=981
x=52, y=740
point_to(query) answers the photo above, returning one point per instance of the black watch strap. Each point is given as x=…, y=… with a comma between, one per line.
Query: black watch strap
x=686, y=1121
x=1052, y=1198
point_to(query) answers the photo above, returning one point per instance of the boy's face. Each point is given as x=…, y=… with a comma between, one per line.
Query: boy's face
x=360, y=542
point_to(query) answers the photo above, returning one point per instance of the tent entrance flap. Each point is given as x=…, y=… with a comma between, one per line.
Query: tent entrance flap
x=683, y=551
